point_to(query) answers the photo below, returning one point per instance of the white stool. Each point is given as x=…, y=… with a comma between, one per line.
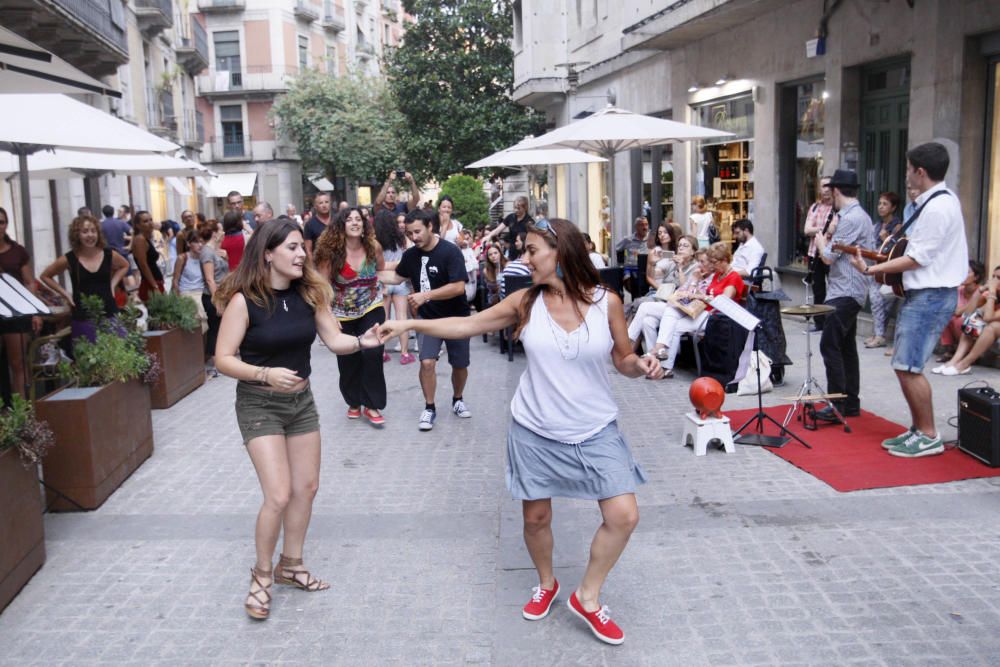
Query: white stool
x=699, y=432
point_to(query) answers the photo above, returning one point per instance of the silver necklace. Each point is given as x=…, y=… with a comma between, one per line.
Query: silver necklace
x=562, y=339
x=285, y=304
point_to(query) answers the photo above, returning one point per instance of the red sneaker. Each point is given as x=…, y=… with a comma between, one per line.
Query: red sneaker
x=541, y=602
x=373, y=417
x=354, y=413
x=386, y=357
x=600, y=623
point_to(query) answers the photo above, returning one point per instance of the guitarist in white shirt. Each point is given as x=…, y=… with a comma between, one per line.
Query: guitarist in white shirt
x=933, y=265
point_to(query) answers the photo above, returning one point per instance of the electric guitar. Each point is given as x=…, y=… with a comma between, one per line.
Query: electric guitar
x=891, y=248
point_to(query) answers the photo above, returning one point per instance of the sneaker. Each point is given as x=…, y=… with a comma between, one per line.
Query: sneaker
x=354, y=413
x=918, y=445
x=461, y=409
x=427, y=418
x=386, y=357
x=541, y=603
x=898, y=440
x=600, y=623
x=406, y=359
x=937, y=369
x=374, y=418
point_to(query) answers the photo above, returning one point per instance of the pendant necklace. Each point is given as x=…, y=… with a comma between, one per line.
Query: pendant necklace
x=562, y=339
x=285, y=304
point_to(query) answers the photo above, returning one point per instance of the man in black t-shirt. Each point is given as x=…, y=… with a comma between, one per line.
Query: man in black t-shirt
x=316, y=225
x=437, y=271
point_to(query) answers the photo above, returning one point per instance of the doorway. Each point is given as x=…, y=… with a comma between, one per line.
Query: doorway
x=885, y=116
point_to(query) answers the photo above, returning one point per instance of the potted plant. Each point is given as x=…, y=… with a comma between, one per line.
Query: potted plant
x=102, y=422
x=176, y=339
x=23, y=441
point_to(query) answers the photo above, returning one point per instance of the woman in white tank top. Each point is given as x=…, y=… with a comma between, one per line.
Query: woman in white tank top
x=564, y=438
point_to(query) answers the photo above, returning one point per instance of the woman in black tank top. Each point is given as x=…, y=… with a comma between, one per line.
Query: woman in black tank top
x=146, y=256
x=94, y=270
x=273, y=306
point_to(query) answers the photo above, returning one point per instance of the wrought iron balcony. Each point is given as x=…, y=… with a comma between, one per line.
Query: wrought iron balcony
x=194, y=128
x=192, y=52
x=231, y=148
x=160, y=116
x=333, y=17
x=306, y=11
x=154, y=16
x=221, y=6
x=256, y=81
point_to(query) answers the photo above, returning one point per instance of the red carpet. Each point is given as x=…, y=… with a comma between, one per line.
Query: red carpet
x=856, y=460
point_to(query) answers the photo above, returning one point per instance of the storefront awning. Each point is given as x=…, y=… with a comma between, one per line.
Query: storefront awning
x=322, y=184
x=223, y=184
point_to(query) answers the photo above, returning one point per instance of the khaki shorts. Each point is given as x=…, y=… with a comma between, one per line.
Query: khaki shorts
x=261, y=412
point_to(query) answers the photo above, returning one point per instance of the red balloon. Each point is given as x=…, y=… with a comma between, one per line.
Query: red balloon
x=707, y=396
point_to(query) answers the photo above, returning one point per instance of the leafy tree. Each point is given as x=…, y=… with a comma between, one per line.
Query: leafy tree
x=471, y=203
x=346, y=126
x=452, y=79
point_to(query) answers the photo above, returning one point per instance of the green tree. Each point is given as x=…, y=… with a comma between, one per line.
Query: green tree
x=471, y=203
x=452, y=79
x=347, y=126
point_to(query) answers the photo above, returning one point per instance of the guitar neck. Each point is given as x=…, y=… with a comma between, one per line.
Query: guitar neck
x=865, y=252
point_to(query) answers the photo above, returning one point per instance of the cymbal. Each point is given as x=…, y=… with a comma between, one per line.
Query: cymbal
x=808, y=309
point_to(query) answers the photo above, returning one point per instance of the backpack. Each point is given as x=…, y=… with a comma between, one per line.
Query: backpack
x=713, y=233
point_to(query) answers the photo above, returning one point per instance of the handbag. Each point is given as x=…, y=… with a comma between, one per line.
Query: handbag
x=690, y=307
x=973, y=324
x=664, y=292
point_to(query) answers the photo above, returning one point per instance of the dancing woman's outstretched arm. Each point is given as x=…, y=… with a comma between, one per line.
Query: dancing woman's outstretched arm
x=493, y=318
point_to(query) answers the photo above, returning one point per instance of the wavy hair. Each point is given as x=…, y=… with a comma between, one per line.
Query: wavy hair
x=331, y=246
x=253, y=275
x=387, y=231
x=76, y=228
x=579, y=275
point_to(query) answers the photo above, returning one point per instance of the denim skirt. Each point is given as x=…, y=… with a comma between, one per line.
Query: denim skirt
x=599, y=467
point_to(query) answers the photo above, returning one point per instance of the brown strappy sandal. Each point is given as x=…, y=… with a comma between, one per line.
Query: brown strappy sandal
x=300, y=578
x=259, y=609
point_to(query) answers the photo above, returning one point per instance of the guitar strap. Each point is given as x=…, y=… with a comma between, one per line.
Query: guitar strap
x=916, y=214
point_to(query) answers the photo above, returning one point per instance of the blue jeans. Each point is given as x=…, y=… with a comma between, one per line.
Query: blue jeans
x=922, y=317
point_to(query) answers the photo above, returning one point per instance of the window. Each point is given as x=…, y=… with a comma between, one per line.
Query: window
x=332, y=63
x=303, y=52
x=227, y=56
x=233, y=140
x=803, y=154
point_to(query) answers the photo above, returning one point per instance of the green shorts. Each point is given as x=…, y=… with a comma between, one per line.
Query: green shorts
x=261, y=411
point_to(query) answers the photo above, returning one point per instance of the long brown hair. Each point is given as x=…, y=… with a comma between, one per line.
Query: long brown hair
x=253, y=275
x=331, y=246
x=578, y=272
x=490, y=271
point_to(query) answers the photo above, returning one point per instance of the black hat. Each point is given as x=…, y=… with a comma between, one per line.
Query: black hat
x=845, y=178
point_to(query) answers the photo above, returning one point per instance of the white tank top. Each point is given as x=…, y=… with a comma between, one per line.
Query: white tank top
x=565, y=393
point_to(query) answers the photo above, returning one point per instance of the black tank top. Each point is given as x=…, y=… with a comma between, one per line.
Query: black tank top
x=281, y=337
x=152, y=257
x=97, y=283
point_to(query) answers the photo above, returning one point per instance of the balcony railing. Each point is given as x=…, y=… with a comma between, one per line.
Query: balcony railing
x=97, y=17
x=160, y=116
x=253, y=79
x=154, y=16
x=192, y=53
x=232, y=148
x=333, y=17
x=390, y=7
x=221, y=6
x=306, y=11
x=365, y=49
x=194, y=128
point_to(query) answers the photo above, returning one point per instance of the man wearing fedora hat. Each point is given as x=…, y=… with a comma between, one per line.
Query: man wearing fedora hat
x=935, y=262
x=846, y=291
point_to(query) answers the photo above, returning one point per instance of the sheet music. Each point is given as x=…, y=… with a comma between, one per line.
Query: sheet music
x=19, y=300
x=735, y=312
x=39, y=305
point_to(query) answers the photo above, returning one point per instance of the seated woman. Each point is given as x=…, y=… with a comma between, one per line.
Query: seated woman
x=597, y=259
x=94, y=270
x=972, y=344
x=724, y=281
x=492, y=269
x=689, y=268
x=661, y=267
x=968, y=301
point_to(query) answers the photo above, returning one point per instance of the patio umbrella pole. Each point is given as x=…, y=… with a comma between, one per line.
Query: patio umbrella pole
x=22, y=151
x=612, y=251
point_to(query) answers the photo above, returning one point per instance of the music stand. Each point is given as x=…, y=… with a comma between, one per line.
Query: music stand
x=17, y=302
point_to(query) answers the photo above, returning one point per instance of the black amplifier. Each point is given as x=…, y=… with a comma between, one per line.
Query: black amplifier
x=979, y=424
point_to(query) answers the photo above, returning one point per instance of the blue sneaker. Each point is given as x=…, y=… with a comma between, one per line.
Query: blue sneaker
x=427, y=418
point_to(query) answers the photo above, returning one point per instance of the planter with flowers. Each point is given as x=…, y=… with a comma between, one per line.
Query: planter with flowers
x=175, y=338
x=23, y=441
x=102, y=423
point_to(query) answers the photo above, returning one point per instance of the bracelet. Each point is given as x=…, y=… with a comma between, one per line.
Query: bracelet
x=360, y=347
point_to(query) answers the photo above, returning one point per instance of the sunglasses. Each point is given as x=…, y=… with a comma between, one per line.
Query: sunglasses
x=543, y=225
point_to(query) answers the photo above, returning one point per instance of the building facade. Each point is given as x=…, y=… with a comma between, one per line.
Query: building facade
x=883, y=77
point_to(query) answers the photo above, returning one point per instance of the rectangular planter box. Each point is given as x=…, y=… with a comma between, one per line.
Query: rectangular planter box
x=182, y=359
x=22, y=540
x=103, y=434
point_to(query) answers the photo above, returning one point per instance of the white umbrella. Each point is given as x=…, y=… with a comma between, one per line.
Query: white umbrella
x=30, y=123
x=66, y=164
x=613, y=130
x=28, y=68
x=515, y=156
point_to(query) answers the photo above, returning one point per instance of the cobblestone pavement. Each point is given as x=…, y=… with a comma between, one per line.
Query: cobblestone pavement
x=739, y=559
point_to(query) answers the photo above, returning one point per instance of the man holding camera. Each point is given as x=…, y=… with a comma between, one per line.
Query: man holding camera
x=387, y=196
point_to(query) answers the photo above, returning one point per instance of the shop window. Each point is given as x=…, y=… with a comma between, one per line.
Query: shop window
x=804, y=160
x=723, y=172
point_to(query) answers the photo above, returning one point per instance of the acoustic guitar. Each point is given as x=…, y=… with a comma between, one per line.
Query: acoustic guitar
x=891, y=248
